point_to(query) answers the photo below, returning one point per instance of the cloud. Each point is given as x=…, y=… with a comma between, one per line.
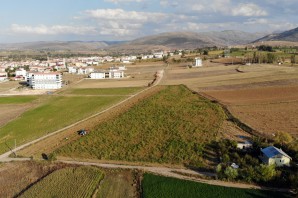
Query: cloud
x=249, y=9
x=52, y=30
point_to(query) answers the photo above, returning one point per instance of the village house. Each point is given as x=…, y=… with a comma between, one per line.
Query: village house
x=272, y=155
x=244, y=144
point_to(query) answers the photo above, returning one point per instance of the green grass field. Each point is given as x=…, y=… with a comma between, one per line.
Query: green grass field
x=69, y=182
x=56, y=113
x=106, y=91
x=169, y=127
x=17, y=99
x=165, y=187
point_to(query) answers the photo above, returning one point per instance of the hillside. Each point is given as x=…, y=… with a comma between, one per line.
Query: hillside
x=190, y=40
x=290, y=35
x=56, y=46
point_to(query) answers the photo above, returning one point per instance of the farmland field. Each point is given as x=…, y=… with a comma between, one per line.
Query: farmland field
x=57, y=112
x=77, y=182
x=267, y=109
x=117, y=184
x=169, y=127
x=158, y=186
x=106, y=91
x=17, y=99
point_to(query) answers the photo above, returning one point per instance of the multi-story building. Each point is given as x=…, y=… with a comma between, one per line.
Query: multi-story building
x=38, y=80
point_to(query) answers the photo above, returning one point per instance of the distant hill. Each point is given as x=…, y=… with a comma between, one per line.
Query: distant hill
x=187, y=40
x=290, y=35
x=57, y=45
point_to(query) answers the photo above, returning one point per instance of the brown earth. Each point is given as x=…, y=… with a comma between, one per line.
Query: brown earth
x=18, y=176
x=11, y=111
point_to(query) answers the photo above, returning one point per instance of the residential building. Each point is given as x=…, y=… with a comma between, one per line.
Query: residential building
x=38, y=80
x=244, y=144
x=272, y=155
x=112, y=73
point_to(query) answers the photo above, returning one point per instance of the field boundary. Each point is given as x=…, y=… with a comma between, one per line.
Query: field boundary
x=230, y=116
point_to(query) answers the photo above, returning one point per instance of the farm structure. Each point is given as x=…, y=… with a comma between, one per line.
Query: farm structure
x=38, y=80
x=198, y=62
x=272, y=155
x=244, y=144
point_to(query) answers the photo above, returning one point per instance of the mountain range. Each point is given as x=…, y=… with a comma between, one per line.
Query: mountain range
x=163, y=41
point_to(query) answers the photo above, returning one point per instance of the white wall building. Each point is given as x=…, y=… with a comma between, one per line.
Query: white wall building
x=38, y=80
x=21, y=72
x=198, y=62
x=107, y=74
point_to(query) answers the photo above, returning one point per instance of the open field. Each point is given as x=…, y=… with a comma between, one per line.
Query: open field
x=57, y=112
x=77, y=182
x=18, y=176
x=169, y=127
x=8, y=85
x=158, y=186
x=17, y=99
x=267, y=109
x=117, y=184
x=263, y=96
x=50, y=144
x=106, y=91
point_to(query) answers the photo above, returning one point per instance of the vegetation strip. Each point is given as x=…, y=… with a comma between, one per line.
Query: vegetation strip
x=157, y=186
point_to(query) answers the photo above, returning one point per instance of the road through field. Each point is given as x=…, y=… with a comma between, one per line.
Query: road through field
x=5, y=156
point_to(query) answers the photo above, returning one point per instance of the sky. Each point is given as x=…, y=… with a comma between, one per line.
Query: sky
x=119, y=20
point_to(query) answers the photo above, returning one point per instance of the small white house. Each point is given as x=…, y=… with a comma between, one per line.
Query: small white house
x=272, y=155
x=198, y=62
x=244, y=145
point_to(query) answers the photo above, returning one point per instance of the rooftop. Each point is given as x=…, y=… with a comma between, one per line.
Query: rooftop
x=272, y=151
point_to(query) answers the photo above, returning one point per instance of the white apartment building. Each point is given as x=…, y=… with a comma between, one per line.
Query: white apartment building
x=38, y=80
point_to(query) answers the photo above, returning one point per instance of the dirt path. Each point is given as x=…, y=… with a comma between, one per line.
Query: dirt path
x=39, y=146
x=185, y=174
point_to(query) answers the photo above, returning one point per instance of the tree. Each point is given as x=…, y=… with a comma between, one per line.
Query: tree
x=266, y=173
x=205, y=52
x=231, y=173
x=293, y=59
x=283, y=138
